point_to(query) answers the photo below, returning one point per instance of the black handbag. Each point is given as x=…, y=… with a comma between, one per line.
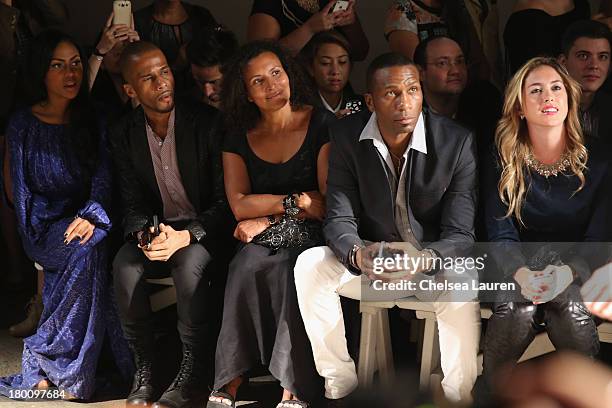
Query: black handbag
x=290, y=232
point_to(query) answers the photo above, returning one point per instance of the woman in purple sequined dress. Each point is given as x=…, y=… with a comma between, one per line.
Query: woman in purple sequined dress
x=61, y=188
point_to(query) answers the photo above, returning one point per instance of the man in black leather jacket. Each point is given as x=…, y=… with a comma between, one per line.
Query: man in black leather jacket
x=168, y=164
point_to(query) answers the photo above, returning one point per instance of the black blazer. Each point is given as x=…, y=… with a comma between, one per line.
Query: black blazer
x=198, y=141
x=441, y=189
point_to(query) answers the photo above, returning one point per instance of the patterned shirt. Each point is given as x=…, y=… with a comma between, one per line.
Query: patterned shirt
x=163, y=153
x=416, y=17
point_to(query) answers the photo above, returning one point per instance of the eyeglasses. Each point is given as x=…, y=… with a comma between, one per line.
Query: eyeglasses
x=447, y=63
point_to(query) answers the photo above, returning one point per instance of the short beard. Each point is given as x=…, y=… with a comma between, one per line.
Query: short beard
x=169, y=109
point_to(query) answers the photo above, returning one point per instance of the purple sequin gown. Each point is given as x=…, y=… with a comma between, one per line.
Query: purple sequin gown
x=49, y=190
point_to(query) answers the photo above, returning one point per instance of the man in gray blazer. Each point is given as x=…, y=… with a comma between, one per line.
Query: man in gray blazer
x=402, y=181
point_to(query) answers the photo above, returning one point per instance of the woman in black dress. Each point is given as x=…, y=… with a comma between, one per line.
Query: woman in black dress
x=543, y=201
x=275, y=166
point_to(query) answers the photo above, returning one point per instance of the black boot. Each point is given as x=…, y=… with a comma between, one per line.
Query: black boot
x=187, y=388
x=143, y=392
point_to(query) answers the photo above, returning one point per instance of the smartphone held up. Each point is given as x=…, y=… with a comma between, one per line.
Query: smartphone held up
x=122, y=12
x=340, y=5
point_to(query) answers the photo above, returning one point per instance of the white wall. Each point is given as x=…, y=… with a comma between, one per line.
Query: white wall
x=88, y=17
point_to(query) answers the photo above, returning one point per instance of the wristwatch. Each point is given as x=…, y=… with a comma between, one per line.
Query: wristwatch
x=434, y=256
x=99, y=55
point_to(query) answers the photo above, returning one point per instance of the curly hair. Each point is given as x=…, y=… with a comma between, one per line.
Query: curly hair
x=240, y=114
x=512, y=138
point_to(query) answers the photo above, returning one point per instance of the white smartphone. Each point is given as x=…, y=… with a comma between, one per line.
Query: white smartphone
x=122, y=10
x=340, y=5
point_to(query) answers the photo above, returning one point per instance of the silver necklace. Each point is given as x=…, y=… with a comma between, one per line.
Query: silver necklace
x=398, y=168
x=548, y=170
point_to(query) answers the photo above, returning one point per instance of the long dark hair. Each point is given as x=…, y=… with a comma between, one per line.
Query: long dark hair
x=241, y=115
x=83, y=134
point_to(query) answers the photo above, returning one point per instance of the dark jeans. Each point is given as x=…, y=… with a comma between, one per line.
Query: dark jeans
x=188, y=268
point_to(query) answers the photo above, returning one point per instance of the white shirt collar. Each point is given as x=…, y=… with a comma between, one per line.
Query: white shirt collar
x=417, y=142
x=329, y=108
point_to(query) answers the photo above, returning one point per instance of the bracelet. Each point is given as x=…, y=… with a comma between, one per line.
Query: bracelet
x=97, y=53
x=289, y=205
x=352, y=261
x=271, y=219
x=353, y=257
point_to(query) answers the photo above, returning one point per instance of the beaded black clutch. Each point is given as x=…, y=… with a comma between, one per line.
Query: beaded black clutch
x=290, y=232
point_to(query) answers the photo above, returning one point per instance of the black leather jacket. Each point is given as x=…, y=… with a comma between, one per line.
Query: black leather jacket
x=198, y=139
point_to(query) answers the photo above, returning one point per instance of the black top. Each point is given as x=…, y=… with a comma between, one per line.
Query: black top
x=551, y=211
x=297, y=174
x=169, y=38
x=350, y=100
x=597, y=121
x=531, y=33
x=480, y=108
x=288, y=13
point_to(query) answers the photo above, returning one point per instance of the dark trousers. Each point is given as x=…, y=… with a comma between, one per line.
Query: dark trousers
x=188, y=268
x=514, y=325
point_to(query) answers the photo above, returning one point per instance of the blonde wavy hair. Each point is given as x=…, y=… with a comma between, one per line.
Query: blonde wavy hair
x=512, y=136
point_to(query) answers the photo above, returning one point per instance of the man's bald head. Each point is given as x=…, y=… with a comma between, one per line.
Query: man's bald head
x=148, y=78
x=131, y=54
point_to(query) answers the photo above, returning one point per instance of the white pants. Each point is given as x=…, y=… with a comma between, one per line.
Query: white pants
x=320, y=280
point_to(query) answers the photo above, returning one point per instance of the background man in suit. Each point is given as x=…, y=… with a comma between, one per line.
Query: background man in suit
x=167, y=164
x=407, y=177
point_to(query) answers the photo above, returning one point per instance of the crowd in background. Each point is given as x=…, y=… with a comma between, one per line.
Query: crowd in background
x=267, y=188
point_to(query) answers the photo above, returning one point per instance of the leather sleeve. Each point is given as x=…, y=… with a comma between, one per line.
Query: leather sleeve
x=134, y=209
x=217, y=217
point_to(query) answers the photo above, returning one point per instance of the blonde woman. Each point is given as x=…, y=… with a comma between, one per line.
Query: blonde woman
x=544, y=187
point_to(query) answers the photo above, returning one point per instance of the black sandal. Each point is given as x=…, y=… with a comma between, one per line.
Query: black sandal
x=225, y=397
x=292, y=404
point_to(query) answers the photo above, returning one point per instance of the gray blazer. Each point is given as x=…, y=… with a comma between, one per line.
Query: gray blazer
x=441, y=189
